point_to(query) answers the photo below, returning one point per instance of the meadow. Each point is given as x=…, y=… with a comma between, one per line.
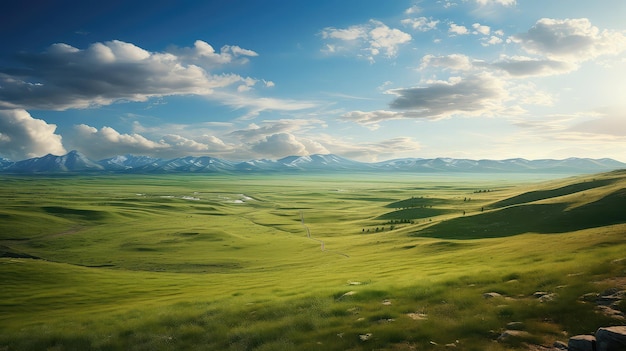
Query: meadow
x=307, y=262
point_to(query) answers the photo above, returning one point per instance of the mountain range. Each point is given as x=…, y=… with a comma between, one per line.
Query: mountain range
x=76, y=162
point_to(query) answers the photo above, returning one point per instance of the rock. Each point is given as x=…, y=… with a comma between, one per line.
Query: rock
x=491, y=295
x=590, y=297
x=582, y=343
x=611, y=312
x=560, y=345
x=539, y=294
x=611, y=297
x=349, y=293
x=365, y=337
x=611, y=339
x=509, y=334
x=386, y=302
x=515, y=325
x=416, y=316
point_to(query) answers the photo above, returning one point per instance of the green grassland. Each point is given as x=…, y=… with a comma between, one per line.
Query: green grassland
x=305, y=262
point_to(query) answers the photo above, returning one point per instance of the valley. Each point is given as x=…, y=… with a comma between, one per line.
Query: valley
x=393, y=261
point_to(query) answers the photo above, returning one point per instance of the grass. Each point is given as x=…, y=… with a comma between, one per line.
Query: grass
x=176, y=262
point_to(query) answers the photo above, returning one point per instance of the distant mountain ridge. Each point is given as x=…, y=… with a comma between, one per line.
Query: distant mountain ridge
x=76, y=162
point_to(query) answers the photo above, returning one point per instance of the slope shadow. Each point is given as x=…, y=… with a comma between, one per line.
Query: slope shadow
x=546, y=194
x=535, y=218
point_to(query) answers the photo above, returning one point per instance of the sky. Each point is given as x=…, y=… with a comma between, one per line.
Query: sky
x=370, y=80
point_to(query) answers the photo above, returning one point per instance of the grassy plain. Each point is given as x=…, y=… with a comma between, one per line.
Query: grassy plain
x=202, y=262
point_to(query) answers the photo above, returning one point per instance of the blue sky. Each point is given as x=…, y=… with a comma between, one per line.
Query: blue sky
x=368, y=80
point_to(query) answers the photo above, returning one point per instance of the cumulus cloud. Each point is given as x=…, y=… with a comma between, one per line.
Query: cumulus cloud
x=203, y=54
x=473, y=95
x=111, y=71
x=279, y=145
x=421, y=24
x=22, y=136
x=481, y=29
x=373, y=38
x=573, y=40
x=256, y=132
x=455, y=29
x=106, y=142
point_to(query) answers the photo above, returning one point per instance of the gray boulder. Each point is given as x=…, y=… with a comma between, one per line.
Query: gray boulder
x=582, y=343
x=611, y=339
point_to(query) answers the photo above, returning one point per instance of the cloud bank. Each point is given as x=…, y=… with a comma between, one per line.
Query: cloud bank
x=65, y=77
x=22, y=136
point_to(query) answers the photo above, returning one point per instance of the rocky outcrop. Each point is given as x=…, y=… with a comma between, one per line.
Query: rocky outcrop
x=606, y=339
x=611, y=339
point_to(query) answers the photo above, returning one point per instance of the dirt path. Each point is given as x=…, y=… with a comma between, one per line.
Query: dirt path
x=322, y=245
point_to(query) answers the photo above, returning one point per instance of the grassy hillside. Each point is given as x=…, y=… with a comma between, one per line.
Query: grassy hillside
x=296, y=262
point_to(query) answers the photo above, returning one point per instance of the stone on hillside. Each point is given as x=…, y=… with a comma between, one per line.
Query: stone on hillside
x=365, y=337
x=611, y=312
x=544, y=296
x=611, y=339
x=611, y=297
x=513, y=334
x=515, y=325
x=491, y=295
x=582, y=343
x=416, y=316
x=560, y=345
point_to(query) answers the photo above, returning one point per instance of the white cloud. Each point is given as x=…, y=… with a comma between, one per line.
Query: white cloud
x=574, y=40
x=374, y=38
x=479, y=94
x=108, y=72
x=499, y=2
x=421, y=24
x=279, y=145
x=370, y=151
x=22, y=136
x=203, y=54
x=256, y=105
x=255, y=132
x=387, y=39
x=521, y=66
x=107, y=142
x=492, y=40
x=413, y=10
x=474, y=95
x=481, y=29
x=458, y=30
x=455, y=62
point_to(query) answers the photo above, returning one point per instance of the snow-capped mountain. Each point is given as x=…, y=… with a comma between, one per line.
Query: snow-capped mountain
x=189, y=164
x=5, y=162
x=328, y=162
x=128, y=162
x=77, y=162
x=74, y=161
